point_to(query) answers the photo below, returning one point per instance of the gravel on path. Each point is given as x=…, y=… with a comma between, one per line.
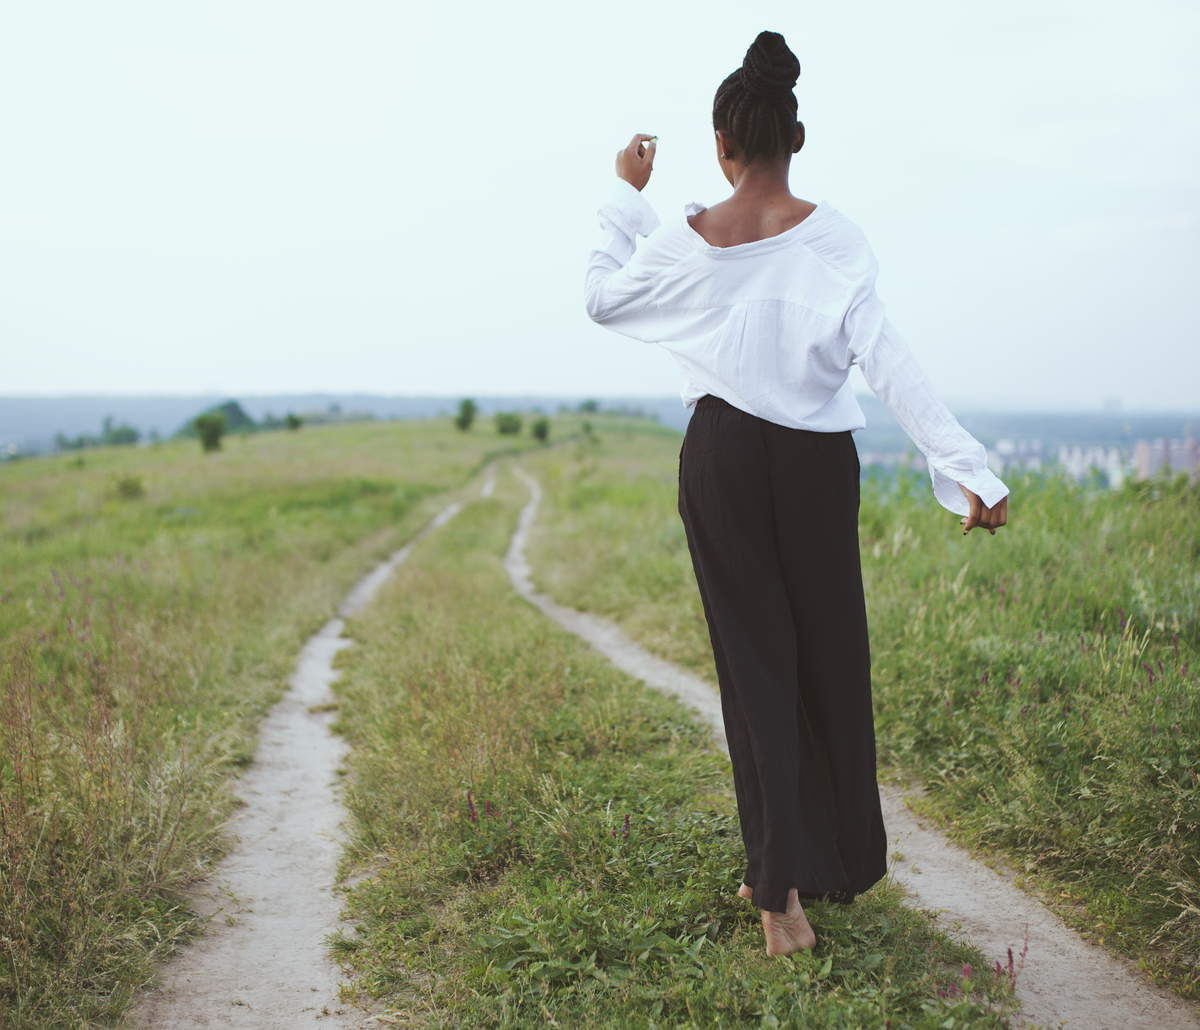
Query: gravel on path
x=1064, y=980
x=266, y=965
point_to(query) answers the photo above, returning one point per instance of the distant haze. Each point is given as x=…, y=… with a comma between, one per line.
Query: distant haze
x=32, y=423
x=258, y=198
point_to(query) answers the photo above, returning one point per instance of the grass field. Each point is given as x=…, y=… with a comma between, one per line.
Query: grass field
x=542, y=841
x=1041, y=684
x=152, y=603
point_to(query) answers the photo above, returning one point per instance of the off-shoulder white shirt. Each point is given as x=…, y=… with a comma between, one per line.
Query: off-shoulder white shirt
x=774, y=326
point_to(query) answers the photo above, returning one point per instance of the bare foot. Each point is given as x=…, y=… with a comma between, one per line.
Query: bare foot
x=745, y=892
x=788, y=932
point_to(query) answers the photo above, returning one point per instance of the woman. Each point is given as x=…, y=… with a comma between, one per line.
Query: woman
x=766, y=301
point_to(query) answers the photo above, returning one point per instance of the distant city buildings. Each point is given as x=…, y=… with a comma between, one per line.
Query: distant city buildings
x=1149, y=459
x=1143, y=460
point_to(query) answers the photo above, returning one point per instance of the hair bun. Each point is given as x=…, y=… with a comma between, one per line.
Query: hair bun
x=769, y=68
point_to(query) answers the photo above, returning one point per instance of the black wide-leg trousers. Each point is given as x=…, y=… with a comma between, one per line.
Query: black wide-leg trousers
x=772, y=524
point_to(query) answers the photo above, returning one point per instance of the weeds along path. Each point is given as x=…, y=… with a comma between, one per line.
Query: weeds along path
x=1063, y=980
x=267, y=966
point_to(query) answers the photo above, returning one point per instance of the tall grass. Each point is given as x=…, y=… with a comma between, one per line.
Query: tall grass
x=142, y=635
x=541, y=841
x=1042, y=684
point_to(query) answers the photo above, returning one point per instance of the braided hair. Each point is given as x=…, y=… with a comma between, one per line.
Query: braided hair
x=755, y=106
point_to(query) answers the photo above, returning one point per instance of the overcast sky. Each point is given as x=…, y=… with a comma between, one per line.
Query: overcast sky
x=255, y=197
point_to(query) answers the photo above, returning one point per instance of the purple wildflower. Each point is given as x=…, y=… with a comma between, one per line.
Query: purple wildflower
x=625, y=831
x=967, y=971
x=1161, y=672
x=471, y=808
x=1153, y=730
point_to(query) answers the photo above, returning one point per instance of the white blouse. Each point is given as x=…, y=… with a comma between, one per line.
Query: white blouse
x=773, y=327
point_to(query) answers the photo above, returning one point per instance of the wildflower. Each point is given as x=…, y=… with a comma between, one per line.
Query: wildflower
x=1153, y=730
x=1176, y=729
x=967, y=971
x=947, y=706
x=1158, y=700
x=1160, y=668
x=625, y=831
x=1125, y=710
x=559, y=880
x=614, y=833
x=471, y=808
x=487, y=809
x=510, y=825
x=983, y=678
x=1149, y=671
x=1039, y=636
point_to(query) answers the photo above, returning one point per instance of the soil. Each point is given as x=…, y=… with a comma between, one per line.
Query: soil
x=1063, y=979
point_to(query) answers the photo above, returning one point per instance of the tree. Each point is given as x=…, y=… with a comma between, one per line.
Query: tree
x=466, y=414
x=508, y=423
x=293, y=422
x=210, y=427
x=541, y=429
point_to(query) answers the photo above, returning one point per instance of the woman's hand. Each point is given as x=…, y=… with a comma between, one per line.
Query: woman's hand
x=636, y=161
x=990, y=519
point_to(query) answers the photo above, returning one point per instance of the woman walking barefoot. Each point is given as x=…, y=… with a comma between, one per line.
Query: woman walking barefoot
x=766, y=301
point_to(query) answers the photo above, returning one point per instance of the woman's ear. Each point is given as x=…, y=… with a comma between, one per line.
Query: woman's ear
x=799, y=138
x=725, y=148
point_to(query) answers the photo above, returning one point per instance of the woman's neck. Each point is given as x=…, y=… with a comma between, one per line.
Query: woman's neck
x=762, y=183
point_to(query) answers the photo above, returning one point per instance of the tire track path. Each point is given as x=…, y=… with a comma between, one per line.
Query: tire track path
x=1065, y=980
x=268, y=967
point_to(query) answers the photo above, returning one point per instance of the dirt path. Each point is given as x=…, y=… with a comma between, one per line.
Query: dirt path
x=1064, y=980
x=264, y=964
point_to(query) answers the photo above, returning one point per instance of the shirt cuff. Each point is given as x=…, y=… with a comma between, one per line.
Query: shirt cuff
x=985, y=483
x=630, y=211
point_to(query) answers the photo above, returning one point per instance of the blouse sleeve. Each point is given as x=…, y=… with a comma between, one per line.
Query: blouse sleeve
x=954, y=456
x=613, y=290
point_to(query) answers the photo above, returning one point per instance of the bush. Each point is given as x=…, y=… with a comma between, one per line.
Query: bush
x=130, y=488
x=293, y=422
x=210, y=428
x=508, y=423
x=541, y=429
x=466, y=414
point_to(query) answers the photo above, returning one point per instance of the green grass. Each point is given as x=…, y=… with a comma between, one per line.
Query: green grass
x=1042, y=684
x=152, y=603
x=542, y=841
